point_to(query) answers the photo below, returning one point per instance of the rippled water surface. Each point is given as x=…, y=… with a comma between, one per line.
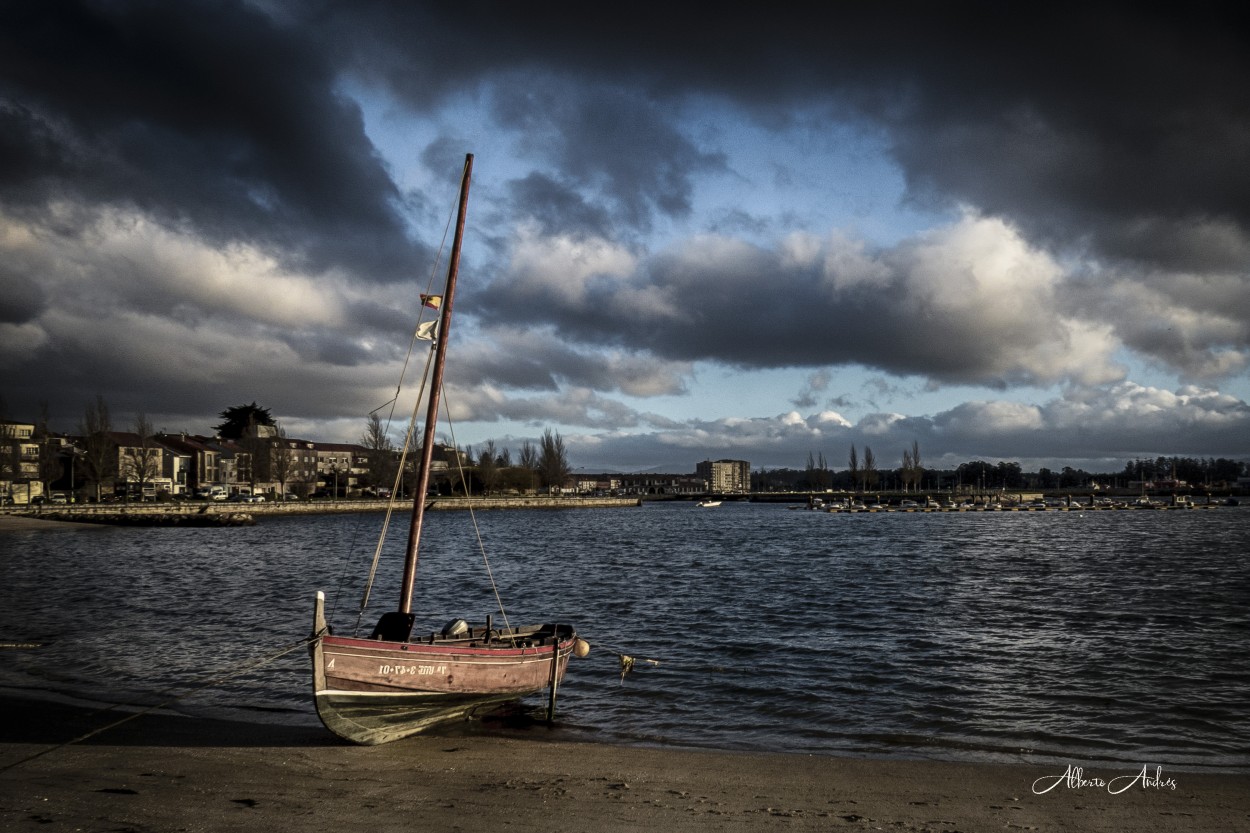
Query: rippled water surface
x=1099, y=636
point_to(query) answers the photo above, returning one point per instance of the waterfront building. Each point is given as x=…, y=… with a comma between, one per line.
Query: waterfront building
x=725, y=476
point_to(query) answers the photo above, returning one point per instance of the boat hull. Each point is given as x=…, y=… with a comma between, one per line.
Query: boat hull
x=371, y=691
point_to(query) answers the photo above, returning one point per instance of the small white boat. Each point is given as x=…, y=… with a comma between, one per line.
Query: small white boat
x=708, y=503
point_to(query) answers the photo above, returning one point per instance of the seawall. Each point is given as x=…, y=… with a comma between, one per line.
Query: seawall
x=307, y=507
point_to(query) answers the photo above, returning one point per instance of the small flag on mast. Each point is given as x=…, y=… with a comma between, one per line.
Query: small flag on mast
x=432, y=301
x=427, y=330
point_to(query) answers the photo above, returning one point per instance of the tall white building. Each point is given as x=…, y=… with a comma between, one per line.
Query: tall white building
x=725, y=476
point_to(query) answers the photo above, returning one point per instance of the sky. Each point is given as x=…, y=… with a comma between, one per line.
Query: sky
x=999, y=232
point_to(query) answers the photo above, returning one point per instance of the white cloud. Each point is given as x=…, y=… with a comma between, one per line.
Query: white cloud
x=990, y=418
x=979, y=286
x=563, y=267
x=121, y=260
x=1146, y=408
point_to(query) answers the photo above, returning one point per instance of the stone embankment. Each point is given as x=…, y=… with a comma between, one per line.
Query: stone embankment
x=231, y=513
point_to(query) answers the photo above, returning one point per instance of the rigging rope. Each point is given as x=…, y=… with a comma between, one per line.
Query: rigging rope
x=464, y=484
x=390, y=416
x=395, y=490
x=408, y=438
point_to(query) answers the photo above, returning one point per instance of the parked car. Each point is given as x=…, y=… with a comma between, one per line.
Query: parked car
x=253, y=498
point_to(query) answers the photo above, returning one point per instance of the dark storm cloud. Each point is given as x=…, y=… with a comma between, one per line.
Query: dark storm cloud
x=1108, y=130
x=923, y=307
x=539, y=360
x=612, y=140
x=192, y=211
x=21, y=298
x=1088, y=120
x=205, y=116
x=584, y=106
x=1114, y=107
x=557, y=208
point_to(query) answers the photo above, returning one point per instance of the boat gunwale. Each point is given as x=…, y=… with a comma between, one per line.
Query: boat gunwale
x=417, y=648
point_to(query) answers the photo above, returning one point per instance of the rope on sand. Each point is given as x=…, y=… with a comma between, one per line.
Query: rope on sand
x=263, y=661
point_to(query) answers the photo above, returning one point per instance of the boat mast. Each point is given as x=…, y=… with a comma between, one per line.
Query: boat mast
x=436, y=388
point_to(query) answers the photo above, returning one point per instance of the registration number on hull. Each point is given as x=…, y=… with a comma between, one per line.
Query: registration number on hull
x=411, y=670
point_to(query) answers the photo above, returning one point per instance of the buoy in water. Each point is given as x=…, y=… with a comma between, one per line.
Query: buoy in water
x=580, y=648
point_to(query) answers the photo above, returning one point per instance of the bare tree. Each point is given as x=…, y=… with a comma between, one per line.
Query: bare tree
x=553, y=460
x=915, y=462
x=488, y=467
x=854, y=468
x=529, y=456
x=281, y=458
x=381, y=452
x=141, y=464
x=99, y=450
x=870, y=469
x=817, y=471
x=50, y=466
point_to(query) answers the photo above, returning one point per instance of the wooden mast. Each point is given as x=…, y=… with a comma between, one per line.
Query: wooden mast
x=436, y=388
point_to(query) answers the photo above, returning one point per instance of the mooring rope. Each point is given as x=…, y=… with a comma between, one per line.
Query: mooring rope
x=626, y=661
x=218, y=680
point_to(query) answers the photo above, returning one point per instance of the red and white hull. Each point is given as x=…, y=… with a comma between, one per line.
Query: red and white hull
x=373, y=691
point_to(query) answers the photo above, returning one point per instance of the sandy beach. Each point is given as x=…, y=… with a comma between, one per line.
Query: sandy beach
x=165, y=773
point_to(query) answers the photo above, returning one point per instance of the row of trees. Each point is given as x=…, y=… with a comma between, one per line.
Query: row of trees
x=1189, y=469
x=492, y=470
x=545, y=465
x=863, y=474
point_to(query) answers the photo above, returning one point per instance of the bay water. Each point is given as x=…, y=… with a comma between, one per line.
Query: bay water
x=1088, y=637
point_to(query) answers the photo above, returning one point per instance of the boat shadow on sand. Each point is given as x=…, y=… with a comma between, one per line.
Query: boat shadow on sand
x=52, y=724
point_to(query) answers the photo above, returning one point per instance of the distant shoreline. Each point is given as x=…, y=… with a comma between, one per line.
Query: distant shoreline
x=230, y=513
x=187, y=514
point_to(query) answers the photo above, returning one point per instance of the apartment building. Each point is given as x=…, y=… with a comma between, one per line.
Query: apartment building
x=725, y=476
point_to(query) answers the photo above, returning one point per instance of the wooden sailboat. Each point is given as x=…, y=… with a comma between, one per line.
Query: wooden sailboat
x=394, y=684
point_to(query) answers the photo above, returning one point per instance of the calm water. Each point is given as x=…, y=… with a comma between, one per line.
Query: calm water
x=1096, y=637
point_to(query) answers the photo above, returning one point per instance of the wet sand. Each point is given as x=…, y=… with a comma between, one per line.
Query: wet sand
x=166, y=773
